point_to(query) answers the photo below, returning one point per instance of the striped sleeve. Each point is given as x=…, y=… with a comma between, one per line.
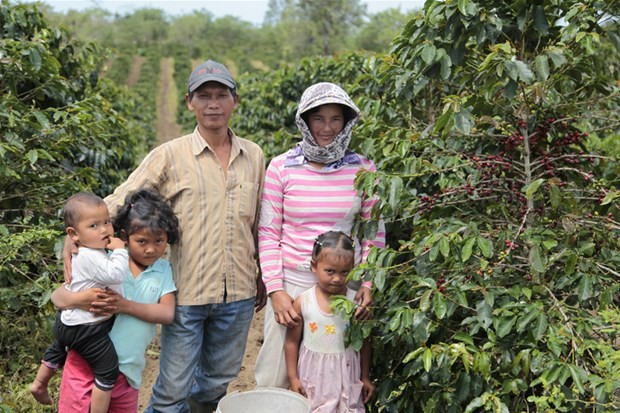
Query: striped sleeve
x=270, y=229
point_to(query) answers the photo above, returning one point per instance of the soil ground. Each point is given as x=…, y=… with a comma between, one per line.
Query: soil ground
x=167, y=129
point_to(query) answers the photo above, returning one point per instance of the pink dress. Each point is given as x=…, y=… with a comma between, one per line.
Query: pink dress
x=329, y=373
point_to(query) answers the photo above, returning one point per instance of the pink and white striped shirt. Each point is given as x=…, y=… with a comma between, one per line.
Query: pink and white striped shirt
x=300, y=202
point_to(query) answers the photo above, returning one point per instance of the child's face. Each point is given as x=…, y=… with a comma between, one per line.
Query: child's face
x=94, y=228
x=331, y=269
x=146, y=246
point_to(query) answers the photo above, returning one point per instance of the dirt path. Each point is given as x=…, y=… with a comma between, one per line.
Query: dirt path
x=167, y=129
x=134, y=71
x=166, y=100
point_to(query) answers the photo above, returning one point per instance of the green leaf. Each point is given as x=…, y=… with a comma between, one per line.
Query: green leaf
x=536, y=260
x=549, y=244
x=524, y=321
x=35, y=58
x=427, y=359
x=434, y=252
x=557, y=56
x=505, y=326
x=555, y=196
x=540, y=328
x=464, y=337
x=467, y=7
x=541, y=24
x=467, y=249
x=578, y=375
x=542, y=67
x=486, y=247
x=610, y=196
x=379, y=279
x=463, y=121
x=32, y=156
x=439, y=305
x=571, y=262
x=42, y=119
x=425, y=300
x=444, y=246
x=428, y=53
x=396, y=188
x=585, y=287
x=412, y=355
x=532, y=187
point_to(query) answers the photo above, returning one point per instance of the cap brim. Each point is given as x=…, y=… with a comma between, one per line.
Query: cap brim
x=206, y=79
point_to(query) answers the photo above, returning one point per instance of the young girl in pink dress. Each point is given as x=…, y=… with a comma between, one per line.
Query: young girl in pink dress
x=332, y=377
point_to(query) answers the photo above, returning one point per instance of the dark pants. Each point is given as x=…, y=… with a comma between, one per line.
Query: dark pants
x=94, y=345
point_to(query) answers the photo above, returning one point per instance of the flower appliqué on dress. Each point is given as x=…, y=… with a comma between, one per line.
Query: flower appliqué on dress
x=330, y=329
x=313, y=327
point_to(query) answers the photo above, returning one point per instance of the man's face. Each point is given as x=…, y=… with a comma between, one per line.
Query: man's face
x=212, y=103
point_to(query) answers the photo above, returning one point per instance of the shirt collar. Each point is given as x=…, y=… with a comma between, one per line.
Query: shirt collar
x=199, y=144
x=295, y=157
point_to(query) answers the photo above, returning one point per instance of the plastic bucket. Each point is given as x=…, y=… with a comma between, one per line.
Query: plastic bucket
x=263, y=400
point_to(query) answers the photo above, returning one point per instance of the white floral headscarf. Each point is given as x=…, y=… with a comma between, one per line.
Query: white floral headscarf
x=317, y=95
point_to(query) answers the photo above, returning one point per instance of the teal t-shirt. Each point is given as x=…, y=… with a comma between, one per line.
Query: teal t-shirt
x=131, y=336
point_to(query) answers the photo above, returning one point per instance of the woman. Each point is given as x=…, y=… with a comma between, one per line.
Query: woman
x=308, y=191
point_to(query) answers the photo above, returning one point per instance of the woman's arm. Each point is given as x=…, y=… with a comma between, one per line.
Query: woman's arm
x=291, y=352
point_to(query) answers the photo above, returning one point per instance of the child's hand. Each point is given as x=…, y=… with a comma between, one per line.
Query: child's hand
x=368, y=389
x=115, y=243
x=297, y=387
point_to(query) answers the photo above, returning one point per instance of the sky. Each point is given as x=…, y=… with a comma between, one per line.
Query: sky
x=249, y=10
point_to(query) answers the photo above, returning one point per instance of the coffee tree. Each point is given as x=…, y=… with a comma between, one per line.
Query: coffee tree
x=500, y=289
x=63, y=130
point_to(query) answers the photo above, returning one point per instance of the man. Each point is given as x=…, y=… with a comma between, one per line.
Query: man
x=213, y=180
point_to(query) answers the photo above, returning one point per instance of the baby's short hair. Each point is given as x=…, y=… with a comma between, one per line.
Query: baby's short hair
x=75, y=205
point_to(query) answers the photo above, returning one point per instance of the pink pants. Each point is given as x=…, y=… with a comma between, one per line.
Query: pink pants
x=77, y=384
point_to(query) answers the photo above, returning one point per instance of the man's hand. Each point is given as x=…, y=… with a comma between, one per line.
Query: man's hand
x=68, y=249
x=261, y=294
x=364, y=300
x=283, y=310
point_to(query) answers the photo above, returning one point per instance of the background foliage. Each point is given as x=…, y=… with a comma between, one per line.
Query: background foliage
x=495, y=129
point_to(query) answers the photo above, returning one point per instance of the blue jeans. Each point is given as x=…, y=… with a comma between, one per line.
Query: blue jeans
x=201, y=353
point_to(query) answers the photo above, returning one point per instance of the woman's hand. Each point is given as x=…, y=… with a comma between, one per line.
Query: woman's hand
x=283, y=310
x=364, y=300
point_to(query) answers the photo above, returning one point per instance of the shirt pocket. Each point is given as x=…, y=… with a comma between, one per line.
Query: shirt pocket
x=248, y=199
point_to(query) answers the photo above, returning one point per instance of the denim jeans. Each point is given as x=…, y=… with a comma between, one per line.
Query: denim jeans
x=201, y=353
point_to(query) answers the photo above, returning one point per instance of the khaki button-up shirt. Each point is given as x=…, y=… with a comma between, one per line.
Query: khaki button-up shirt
x=214, y=260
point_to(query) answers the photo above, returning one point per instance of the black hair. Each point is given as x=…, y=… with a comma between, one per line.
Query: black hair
x=73, y=207
x=147, y=209
x=347, y=112
x=337, y=240
x=233, y=91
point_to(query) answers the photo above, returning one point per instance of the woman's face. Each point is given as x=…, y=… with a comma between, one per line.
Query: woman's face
x=326, y=123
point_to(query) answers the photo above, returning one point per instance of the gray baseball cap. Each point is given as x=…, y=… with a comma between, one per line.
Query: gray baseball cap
x=210, y=71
